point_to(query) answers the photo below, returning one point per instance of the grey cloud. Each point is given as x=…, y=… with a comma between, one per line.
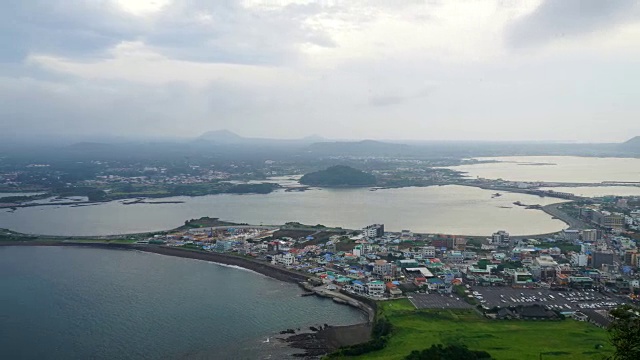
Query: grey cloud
x=230, y=33
x=71, y=27
x=207, y=31
x=559, y=18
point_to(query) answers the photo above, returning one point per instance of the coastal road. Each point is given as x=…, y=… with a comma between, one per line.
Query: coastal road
x=575, y=224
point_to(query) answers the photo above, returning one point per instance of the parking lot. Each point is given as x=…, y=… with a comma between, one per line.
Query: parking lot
x=438, y=301
x=556, y=300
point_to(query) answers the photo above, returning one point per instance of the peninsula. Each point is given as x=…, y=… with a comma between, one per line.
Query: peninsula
x=339, y=175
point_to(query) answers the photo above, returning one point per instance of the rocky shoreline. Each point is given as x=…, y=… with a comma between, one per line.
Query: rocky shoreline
x=316, y=342
x=326, y=339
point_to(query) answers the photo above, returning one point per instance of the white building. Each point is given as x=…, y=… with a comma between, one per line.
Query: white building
x=429, y=252
x=578, y=259
x=286, y=259
x=357, y=251
x=375, y=288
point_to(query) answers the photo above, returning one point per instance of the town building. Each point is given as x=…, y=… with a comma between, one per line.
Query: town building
x=579, y=259
x=608, y=220
x=600, y=258
x=286, y=259
x=522, y=277
x=571, y=235
x=429, y=252
x=589, y=235
x=376, y=288
x=373, y=231
x=500, y=238
x=223, y=245
x=631, y=257
x=383, y=268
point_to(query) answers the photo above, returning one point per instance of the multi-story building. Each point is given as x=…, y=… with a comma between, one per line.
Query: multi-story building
x=500, y=238
x=571, y=235
x=631, y=257
x=429, y=252
x=608, y=220
x=449, y=242
x=522, y=277
x=373, y=231
x=376, y=288
x=600, y=258
x=286, y=259
x=383, y=268
x=579, y=259
x=589, y=235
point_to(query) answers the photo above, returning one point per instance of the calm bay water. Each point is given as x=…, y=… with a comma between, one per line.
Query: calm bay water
x=80, y=303
x=444, y=209
x=556, y=169
x=8, y=194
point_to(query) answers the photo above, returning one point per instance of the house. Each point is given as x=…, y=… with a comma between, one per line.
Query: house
x=393, y=289
x=436, y=284
x=376, y=288
x=383, y=268
x=580, y=316
x=535, y=312
x=223, y=245
x=358, y=286
x=286, y=259
x=505, y=314
x=408, y=263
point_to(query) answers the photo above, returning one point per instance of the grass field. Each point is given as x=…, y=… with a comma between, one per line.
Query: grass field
x=503, y=339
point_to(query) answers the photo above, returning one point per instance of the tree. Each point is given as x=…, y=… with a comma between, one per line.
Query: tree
x=449, y=352
x=624, y=332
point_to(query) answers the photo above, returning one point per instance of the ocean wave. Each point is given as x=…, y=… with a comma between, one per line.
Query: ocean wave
x=234, y=267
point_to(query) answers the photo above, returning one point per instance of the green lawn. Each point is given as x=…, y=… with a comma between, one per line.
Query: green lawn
x=512, y=339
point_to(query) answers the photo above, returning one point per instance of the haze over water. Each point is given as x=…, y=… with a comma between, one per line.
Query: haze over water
x=441, y=209
x=567, y=169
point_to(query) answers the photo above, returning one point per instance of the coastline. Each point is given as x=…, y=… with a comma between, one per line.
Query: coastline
x=314, y=344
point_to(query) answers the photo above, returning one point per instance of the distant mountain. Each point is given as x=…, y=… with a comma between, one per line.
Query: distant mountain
x=226, y=137
x=314, y=138
x=633, y=143
x=222, y=136
x=338, y=175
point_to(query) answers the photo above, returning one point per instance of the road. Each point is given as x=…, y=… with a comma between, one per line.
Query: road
x=575, y=224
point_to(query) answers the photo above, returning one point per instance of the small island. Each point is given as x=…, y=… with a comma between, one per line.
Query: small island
x=339, y=175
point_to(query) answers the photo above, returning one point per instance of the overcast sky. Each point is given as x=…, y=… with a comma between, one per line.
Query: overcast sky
x=380, y=69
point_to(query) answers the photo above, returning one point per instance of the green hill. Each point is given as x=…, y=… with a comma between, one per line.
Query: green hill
x=339, y=175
